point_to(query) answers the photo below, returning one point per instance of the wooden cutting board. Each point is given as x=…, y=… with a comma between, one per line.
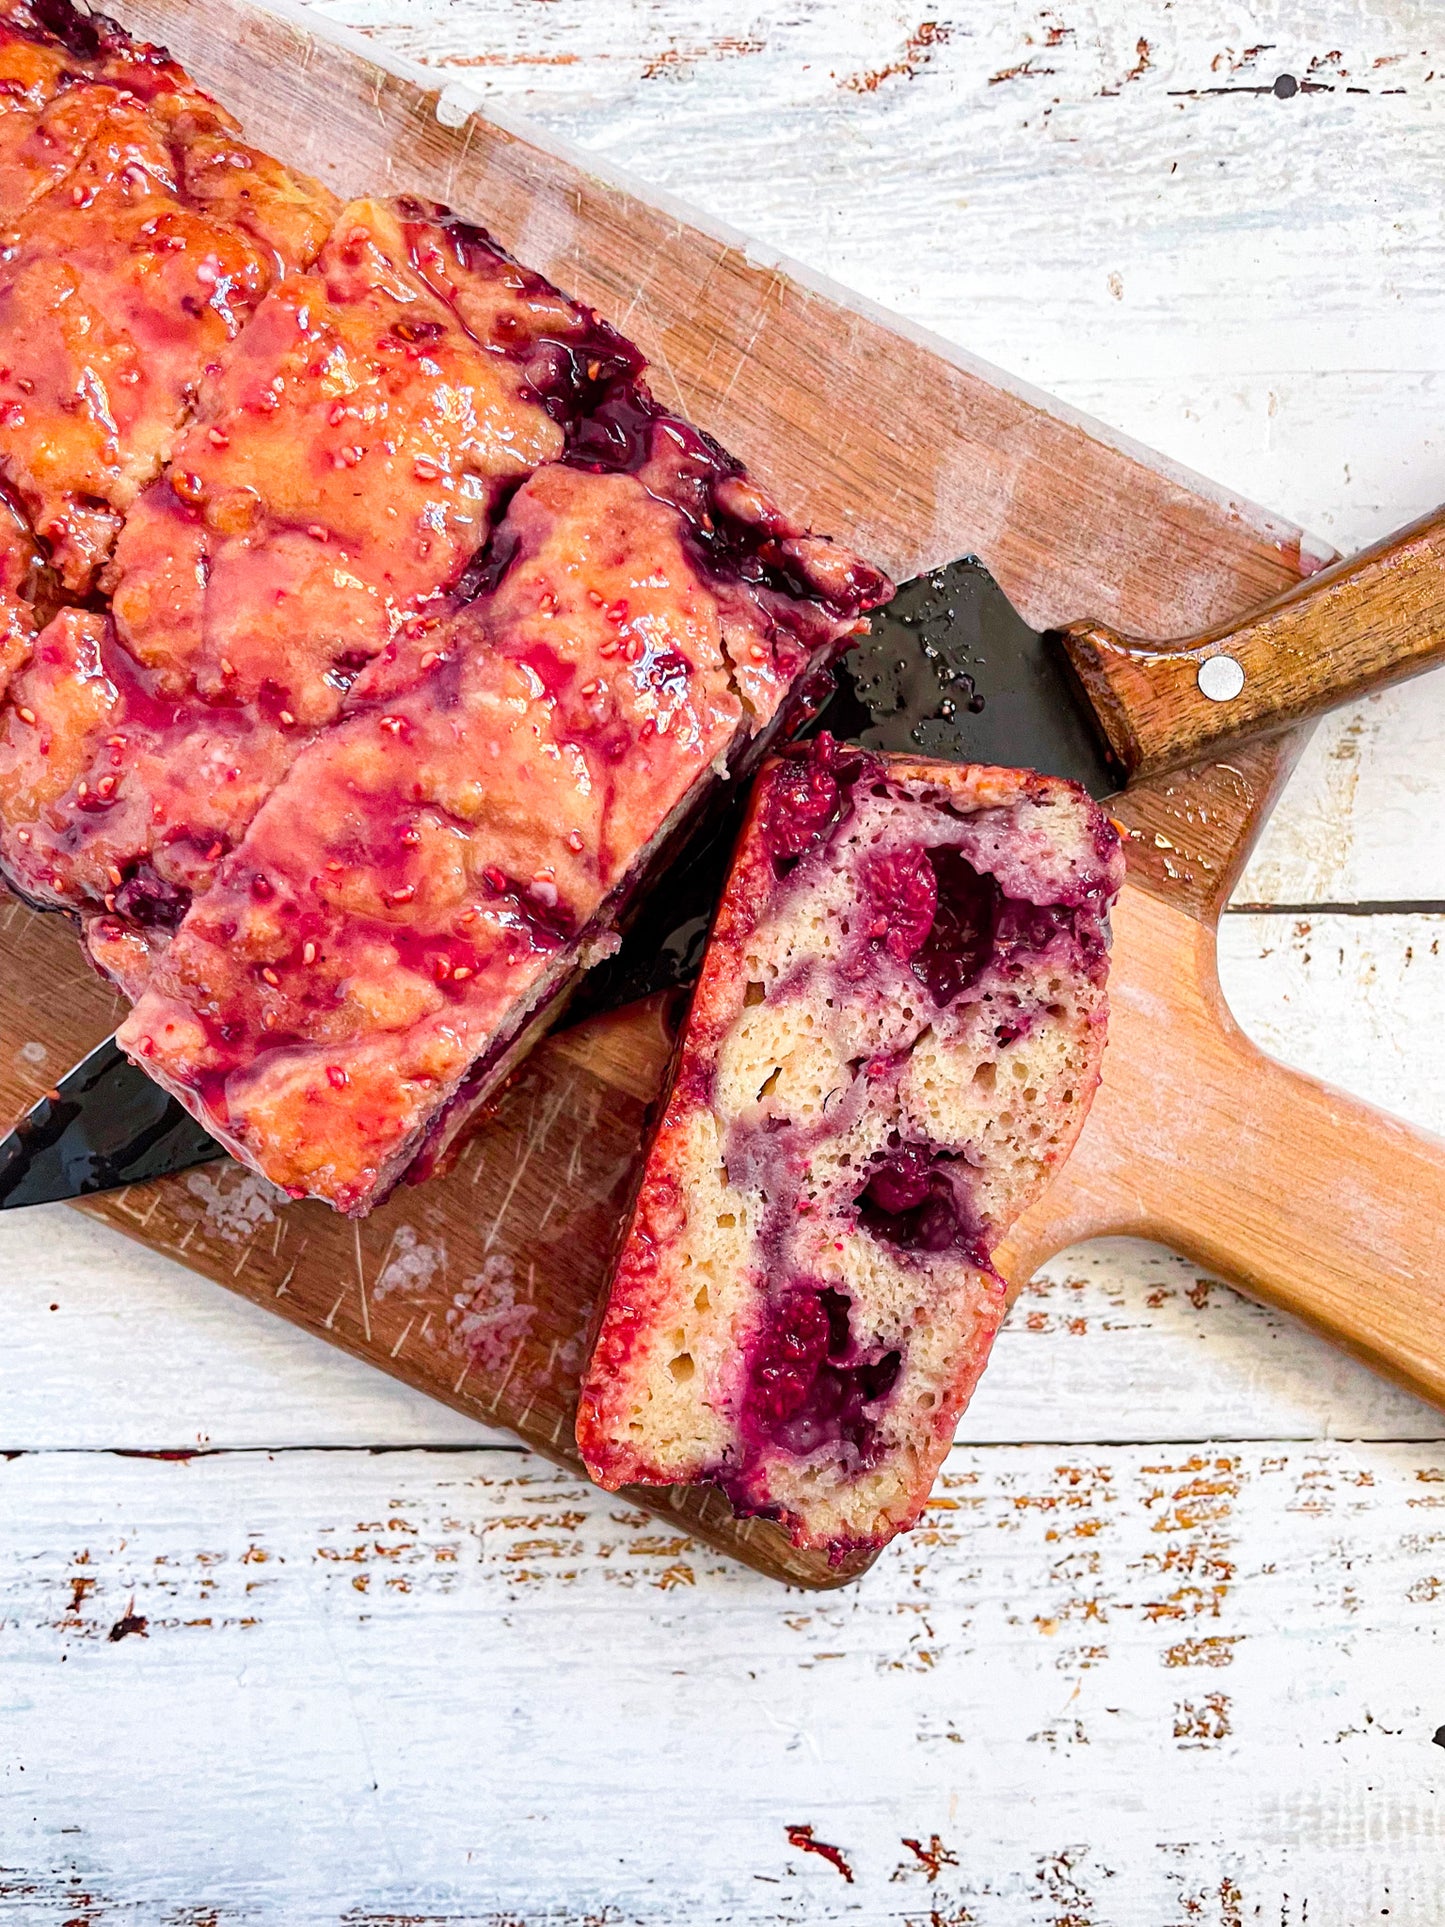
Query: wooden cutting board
x=480, y=1286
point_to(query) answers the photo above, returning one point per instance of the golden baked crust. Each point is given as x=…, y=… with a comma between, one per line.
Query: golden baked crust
x=139, y=234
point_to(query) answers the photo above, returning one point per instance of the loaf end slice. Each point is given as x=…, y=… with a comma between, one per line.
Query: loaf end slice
x=894, y=1042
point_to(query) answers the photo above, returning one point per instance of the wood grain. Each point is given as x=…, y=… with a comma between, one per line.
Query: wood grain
x=601, y=1687
x=481, y=1287
x=1364, y=623
x=1301, y=1194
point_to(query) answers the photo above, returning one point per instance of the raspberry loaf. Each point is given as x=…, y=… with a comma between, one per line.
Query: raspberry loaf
x=424, y=885
x=345, y=464
x=429, y=628
x=139, y=235
x=895, y=1039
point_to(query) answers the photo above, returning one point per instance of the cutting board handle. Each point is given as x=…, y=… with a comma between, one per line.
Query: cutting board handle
x=1373, y=619
x=1302, y=1195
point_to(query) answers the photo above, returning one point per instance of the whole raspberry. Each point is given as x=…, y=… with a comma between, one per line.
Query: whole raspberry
x=903, y=896
x=795, y=1347
x=901, y=1181
x=802, y=804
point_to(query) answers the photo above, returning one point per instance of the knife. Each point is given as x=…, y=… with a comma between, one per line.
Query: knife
x=950, y=669
x=104, y=1125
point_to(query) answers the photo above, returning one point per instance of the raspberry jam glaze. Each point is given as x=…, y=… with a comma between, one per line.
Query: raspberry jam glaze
x=125, y=280
x=431, y=863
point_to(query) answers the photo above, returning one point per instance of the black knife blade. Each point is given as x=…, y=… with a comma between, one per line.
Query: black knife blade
x=105, y=1125
x=949, y=668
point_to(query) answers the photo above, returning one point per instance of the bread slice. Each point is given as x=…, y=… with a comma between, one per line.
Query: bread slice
x=895, y=1040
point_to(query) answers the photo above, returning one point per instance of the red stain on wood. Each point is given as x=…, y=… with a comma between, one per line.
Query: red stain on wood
x=1143, y=59
x=1205, y=1723
x=675, y=57
x=514, y=60
x=1217, y=1650
x=127, y=1624
x=1025, y=70
x=802, y=1838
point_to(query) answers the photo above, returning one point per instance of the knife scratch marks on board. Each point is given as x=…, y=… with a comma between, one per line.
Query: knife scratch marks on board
x=361, y=1282
x=761, y=318
x=681, y=402
x=535, y=1140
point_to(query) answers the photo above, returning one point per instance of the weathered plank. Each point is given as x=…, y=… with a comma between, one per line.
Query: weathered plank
x=1133, y=1685
x=1354, y=1000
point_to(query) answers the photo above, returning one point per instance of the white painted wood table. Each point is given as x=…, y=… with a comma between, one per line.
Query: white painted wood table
x=283, y=1642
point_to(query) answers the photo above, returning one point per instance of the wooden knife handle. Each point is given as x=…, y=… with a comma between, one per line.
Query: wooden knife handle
x=1371, y=620
x=1300, y=1194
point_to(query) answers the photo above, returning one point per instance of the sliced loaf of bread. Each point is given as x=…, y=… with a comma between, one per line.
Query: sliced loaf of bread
x=895, y=1040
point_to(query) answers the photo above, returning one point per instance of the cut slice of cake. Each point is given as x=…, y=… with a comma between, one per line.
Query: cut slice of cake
x=895, y=1040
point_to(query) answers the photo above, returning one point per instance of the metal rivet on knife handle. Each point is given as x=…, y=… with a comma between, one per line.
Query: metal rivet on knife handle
x=1220, y=678
x=1374, y=619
